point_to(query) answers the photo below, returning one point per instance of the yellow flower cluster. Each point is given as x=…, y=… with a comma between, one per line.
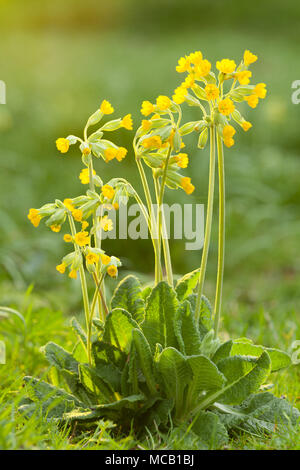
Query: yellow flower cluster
x=108, y=191
x=117, y=153
x=259, y=91
x=186, y=185
x=228, y=133
x=84, y=176
x=62, y=144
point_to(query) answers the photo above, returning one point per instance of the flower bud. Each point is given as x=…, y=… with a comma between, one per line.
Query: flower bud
x=203, y=138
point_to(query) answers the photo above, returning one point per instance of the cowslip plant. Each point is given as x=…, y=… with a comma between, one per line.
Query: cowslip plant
x=152, y=356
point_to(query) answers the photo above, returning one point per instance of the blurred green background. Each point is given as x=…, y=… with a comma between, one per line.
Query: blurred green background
x=60, y=59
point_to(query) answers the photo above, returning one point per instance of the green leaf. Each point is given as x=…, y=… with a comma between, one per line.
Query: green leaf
x=38, y=390
x=186, y=330
x=240, y=388
x=79, y=331
x=118, y=329
x=106, y=353
x=206, y=376
x=144, y=358
x=210, y=429
x=175, y=375
x=222, y=352
x=94, y=384
x=156, y=415
x=187, y=284
x=205, y=319
x=279, y=359
x=128, y=295
x=158, y=326
x=60, y=358
x=259, y=414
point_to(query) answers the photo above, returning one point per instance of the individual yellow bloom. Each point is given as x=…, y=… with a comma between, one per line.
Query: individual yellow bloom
x=92, y=258
x=229, y=142
x=228, y=131
x=127, y=122
x=77, y=215
x=147, y=108
x=249, y=58
x=62, y=145
x=246, y=125
x=226, y=106
x=183, y=65
x=121, y=153
x=152, y=142
x=84, y=176
x=55, y=228
x=202, y=69
x=68, y=204
x=108, y=191
x=112, y=271
x=146, y=125
x=84, y=225
x=61, y=268
x=163, y=102
x=252, y=100
x=182, y=160
x=244, y=77
x=73, y=274
x=106, y=224
x=187, y=185
x=106, y=107
x=68, y=238
x=188, y=82
x=260, y=90
x=195, y=57
x=105, y=259
x=82, y=238
x=179, y=95
x=110, y=153
x=116, y=206
x=34, y=217
x=86, y=151
x=212, y=91
x=226, y=66
x=155, y=116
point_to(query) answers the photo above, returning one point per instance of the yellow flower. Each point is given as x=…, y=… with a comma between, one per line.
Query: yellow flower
x=106, y=224
x=202, y=69
x=229, y=142
x=249, y=58
x=62, y=145
x=147, y=108
x=82, y=238
x=112, y=271
x=127, y=122
x=55, y=228
x=108, y=191
x=84, y=225
x=163, y=102
x=73, y=274
x=260, y=90
x=34, y=217
x=212, y=91
x=105, y=259
x=155, y=116
x=252, y=100
x=226, y=65
x=116, y=206
x=106, y=107
x=121, y=153
x=152, y=142
x=92, y=258
x=179, y=95
x=68, y=203
x=228, y=131
x=182, y=160
x=244, y=77
x=77, y=215
x=146, y=125
x=110, y=154
x=84, y=176
x=86, y=151
x=188, y=82
x=187, y=185
x=246, y=125
x=68, y=238
x=183, y=65
x=195, y=57
x=61, y=268
x=226, y=106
